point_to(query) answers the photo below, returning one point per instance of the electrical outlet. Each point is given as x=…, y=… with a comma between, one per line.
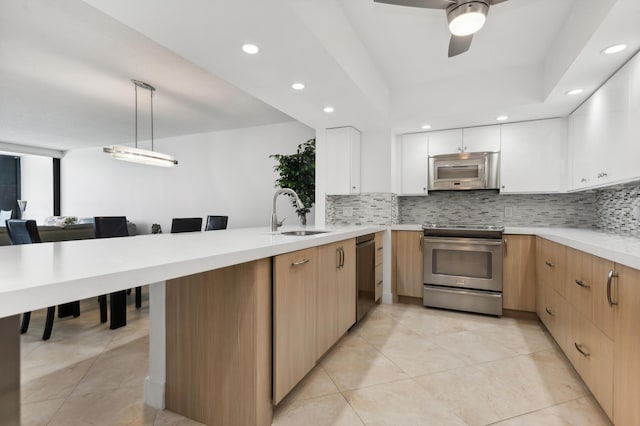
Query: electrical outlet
x=508, y=212
x=347, y=211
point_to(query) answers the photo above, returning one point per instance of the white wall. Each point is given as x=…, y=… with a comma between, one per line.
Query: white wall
x=223, y=173
x=36, y=179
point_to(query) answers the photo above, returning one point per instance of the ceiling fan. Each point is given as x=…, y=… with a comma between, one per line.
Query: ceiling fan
x=465, y=18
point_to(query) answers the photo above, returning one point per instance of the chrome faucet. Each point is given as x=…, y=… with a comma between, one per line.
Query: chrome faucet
x=274, y=218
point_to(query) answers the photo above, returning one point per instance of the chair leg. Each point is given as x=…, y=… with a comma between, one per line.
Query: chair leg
x=138, y=297
x=102, y=300
x=26, y=317
x=76, y=309
x=48, y=326
x=118, y=309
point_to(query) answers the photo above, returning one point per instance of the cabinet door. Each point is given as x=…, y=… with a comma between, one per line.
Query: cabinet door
x=518, y=273
x=584, y=146
x=629, y=162
x=414, y=164
x=408, y=249
x=579, y=287
x=550, y=264
x=481, y=139
x=343, y=154
x=626, y=382
x=347, y=297
x=602, y=312
x=533, y=157
x=445, y=142
x=294, y=319
x=329, y=263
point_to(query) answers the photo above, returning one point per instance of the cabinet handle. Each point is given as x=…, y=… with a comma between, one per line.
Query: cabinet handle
x=379, y=248
x=583, y=180
x=420, y=241
x=464, y=148
x=611, y=276
x=341, y=257
x=504, y=241
x=550, y=312
x=338, y=258
x=459, y=149
x=582, y=284
x=579, y=348
x=549, y=264
x=300, y=262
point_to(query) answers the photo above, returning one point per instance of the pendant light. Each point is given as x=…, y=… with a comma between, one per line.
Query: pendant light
x=136, y=155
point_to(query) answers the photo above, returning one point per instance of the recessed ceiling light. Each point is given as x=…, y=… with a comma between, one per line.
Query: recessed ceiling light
x=328, y=109
x=426, y=126
x=250, y=49
x=614, y=49
x=297, y=86
x=574, y=92
x=502, y=117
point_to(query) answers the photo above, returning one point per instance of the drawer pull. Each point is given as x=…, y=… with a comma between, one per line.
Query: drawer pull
x=379, y=248
x=300, y=262
x=582, y=284
x=579, y=349
x=550, y=312
x=611, y=276
x=549, y=264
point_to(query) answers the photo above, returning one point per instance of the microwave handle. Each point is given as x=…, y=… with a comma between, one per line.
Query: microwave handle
x=486, y=167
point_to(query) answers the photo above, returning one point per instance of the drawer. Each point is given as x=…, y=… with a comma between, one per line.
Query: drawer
x=378, y=274
x=579, y=286
x=378, y=248
x=550, y=264
x=378, y=290
x=556, y=316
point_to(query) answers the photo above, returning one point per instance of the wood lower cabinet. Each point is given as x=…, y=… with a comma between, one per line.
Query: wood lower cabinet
x=518, y=273
x=550, y=264
x=378, y=263
x=294, y=319
x=626, y=370
x=408, y=263
x=602, y=313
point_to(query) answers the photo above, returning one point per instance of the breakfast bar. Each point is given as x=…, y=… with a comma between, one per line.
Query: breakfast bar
x=210, y=298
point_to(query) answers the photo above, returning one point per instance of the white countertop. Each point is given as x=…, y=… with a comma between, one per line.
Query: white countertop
x=35, y=276
x=619, y=249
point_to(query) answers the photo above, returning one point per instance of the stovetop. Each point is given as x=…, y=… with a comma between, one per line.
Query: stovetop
x=445, y=226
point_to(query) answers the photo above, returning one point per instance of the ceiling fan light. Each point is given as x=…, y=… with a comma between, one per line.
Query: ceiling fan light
x=467, y=18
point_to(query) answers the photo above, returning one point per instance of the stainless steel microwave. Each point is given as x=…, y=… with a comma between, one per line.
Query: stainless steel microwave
x=466, y=170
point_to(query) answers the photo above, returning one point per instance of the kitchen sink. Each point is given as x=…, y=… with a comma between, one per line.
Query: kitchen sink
x=303, y=232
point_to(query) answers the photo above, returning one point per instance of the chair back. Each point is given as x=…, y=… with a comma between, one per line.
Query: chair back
x=110, y=226
x=22, y=231
x=186, y=224
x=216, y=222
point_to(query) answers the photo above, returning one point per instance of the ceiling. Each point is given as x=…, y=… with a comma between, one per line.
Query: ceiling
x=65, y=65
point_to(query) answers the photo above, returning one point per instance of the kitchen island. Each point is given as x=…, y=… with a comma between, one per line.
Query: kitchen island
x=41, y=275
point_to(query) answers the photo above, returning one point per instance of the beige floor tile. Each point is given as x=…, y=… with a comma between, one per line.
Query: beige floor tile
x=400, y=403
x=58, y=383
x=330, y=410
x=417, y=355
x=168, y=418
x=354, y=363
x=39, y=413
x=316, y=383
x=524, y=338
x=377, y=330
x=117, y=407
x=472, y=347
x=579, y=412
x=124, y=366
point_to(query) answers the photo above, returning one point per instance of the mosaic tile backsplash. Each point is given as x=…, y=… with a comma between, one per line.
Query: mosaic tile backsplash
x=615, y=209
x=367, y=209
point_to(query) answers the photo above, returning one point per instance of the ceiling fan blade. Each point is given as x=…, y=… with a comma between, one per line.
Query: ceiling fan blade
x=459, y=44
x=428, y=4
x=493, y=2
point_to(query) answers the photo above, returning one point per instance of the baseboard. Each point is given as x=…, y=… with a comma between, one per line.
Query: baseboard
x=154, y=393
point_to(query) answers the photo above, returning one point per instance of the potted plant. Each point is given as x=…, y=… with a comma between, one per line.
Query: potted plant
x=298, y=172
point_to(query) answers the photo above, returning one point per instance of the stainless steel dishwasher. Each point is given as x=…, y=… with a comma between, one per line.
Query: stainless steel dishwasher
x=365, y=274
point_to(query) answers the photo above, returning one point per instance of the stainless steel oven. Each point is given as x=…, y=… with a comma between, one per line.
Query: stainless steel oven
x=463, y=267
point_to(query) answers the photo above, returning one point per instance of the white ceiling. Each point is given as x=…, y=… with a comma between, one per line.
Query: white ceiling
x=65, y=66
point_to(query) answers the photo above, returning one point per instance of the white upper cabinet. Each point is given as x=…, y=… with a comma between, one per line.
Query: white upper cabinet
x=343, y=160
x=533, y=157
x=414, y=164
x=445, y=142
x=481, y=139
x=471, y=139
x=603, y=140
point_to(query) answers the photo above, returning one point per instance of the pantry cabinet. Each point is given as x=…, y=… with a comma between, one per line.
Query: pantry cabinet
x=343, y=159
x=414, y=164
x=533, y=157
x=408, y=263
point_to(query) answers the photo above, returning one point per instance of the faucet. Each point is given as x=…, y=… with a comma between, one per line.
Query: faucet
x=274, y=218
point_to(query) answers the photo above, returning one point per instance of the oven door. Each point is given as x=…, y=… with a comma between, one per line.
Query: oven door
x=471, y=263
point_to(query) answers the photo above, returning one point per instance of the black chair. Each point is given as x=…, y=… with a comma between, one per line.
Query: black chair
x=216, y=222
x=112, y=227
x=26, y=232
x=186, y=224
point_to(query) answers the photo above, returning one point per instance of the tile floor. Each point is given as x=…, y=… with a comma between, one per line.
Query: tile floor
x=403, y=365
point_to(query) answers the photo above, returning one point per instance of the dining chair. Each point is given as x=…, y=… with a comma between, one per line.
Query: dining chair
x=216, y=222
x=186, y=224
x=113, y=227
x=26, y=232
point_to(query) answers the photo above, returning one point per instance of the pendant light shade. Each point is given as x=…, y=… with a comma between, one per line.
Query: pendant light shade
x=136, y=155
x=467, y=18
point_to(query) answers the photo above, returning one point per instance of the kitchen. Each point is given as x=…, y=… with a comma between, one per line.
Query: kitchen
x=381, y=198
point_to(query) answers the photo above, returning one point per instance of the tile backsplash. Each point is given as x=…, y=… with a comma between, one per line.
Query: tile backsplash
x=617, y=208
x=380, y=208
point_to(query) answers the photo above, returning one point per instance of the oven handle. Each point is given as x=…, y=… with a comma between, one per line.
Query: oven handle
x=463, y=241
